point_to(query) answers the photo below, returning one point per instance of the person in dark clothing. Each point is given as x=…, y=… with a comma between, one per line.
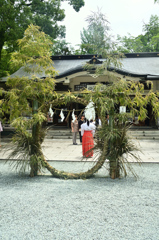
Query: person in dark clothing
x=80, y=122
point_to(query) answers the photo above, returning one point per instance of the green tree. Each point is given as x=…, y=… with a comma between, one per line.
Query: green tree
x=27, y=94
x=155, y=42
x=4, y=64
x=15, y=16
x=151, y=30
x=129, y=44
x=95, y=38
x=114, y=136
x=147, y=42
x=61, y=47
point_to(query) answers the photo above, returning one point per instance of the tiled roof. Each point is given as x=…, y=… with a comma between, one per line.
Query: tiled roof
x=144, y=64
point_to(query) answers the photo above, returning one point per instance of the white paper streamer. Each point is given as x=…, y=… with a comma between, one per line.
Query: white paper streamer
x=62, y=115
x=73, y=115
x=51, y=111
x=90, y=111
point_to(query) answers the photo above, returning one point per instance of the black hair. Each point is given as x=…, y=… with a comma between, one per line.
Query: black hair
x=87, y=122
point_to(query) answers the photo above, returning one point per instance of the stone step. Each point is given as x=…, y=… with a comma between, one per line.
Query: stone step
x=148, y=132
x=59, y=137
x=146, y=138
x=58, y=134
x=155, y=133
x=133, y=134
x=67, y=134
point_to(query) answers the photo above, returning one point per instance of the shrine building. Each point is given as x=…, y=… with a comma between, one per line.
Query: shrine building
x=72, y=76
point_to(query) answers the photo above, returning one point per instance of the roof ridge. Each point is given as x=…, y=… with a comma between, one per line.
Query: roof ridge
x=90, y=56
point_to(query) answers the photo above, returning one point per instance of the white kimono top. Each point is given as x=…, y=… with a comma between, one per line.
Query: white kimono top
x=85, y=127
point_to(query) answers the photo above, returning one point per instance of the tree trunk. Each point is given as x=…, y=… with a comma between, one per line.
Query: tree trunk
x=35, y=147
x=35, y=151
x=33, y=166
x=114, y=168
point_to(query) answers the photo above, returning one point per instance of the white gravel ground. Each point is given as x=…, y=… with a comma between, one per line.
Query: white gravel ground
x=45, y=208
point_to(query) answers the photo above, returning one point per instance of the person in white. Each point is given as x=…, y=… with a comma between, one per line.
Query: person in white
x=85, y=127
x=87, y=132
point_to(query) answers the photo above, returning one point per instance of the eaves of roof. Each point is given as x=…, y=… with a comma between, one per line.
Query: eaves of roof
x=142, y=65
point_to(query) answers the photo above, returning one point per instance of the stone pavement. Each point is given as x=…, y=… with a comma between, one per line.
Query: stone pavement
x=64, y=150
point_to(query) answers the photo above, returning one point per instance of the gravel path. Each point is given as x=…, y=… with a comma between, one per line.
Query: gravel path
x=44, y=208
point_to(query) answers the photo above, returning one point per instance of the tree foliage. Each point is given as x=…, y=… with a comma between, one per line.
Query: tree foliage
x=26, y=95
x=15, y=16
x=147, y=42
x=77, y=4
x=61, y=47
x=95, y=39
x=34, y=56
x=112, y=139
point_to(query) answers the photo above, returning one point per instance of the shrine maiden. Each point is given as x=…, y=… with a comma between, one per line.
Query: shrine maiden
x=87, y=132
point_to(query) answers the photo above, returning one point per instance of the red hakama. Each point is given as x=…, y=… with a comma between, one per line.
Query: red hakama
x=87, y=144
